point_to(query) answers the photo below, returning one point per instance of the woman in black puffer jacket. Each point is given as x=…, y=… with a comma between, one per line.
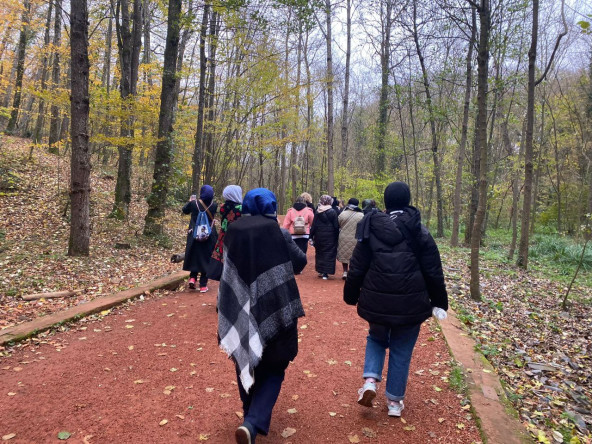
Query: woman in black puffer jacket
x=396, y=279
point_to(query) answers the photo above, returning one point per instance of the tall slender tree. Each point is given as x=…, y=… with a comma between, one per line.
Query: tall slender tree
x=79, y=109
x=20, y=67
x=164, y=147
x=481, y=140
x=54, y=121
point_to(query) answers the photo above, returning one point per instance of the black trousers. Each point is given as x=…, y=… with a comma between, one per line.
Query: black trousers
x=302, y=243
x=259, y=402
x=203, y=278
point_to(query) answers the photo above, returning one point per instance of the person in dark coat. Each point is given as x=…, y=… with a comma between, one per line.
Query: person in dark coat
x=197, y=254
x=368, y=206
x=335, y=204
x=258, y=308
x=395, y=277
x=324, y=233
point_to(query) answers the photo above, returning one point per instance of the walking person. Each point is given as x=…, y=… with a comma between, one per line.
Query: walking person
x=348, y=221
x=230, y=211
x=395, y=277
x=324, y=233
x=198, y=248
x=258, y=308
x=308, y=201
x=298, y=221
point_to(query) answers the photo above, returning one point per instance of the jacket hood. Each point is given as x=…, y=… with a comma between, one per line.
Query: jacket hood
x=384, y=228
x=299, y=206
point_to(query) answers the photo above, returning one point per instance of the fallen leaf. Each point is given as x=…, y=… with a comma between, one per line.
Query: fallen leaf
x=303, y=327
x=292, y=411
x=409, y=428
x=438, y=389
x=294, y=397
x=131, y=347
x=331, y=362
x=209, y=389
x=17, y=369
x=11, y=394
x=224, y=395
x=129, y=326
x=64, y=435
x=287, y=432
x=368, y=432
x=332, y=414
x=460, y=425
x=9, y=436
x=557, y=436
x=174, y=369
x=163, y=422
x=441, y=420
x=240, y=415
x=140, y=381
x=180, y=416
x=353, y=438
x=204, y=436
x=348, y=363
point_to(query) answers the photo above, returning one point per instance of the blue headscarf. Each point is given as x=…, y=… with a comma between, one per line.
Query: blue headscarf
x=206, y=194
x=260, y=201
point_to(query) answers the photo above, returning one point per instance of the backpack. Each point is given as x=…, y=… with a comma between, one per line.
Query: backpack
x=299, y=224
x=202, y=228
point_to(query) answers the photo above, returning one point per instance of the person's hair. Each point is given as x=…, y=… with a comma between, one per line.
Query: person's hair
x=300, y=199
x=353, y=201
x=307, y=197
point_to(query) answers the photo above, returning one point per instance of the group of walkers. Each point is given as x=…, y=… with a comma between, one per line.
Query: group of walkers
x=391, y=266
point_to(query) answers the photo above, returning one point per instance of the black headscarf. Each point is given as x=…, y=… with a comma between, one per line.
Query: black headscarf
x=397, y=196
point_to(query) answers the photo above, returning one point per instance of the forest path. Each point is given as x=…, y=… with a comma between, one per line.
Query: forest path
x=115, y=379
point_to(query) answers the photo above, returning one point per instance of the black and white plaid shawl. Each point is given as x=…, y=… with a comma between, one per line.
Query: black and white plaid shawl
x=258, y=296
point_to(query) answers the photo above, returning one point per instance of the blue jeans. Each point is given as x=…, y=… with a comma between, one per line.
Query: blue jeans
x=400, y=341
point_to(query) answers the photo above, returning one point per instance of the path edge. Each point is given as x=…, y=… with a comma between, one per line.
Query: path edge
x=32, y=328
x=497, y=417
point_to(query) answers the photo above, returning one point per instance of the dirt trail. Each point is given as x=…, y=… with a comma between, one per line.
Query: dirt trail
x=109, y=380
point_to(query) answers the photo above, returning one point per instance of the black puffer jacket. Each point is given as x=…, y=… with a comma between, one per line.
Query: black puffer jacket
x=390, y=284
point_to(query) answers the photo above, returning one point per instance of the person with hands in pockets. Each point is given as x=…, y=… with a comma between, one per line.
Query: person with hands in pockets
x=395, y=277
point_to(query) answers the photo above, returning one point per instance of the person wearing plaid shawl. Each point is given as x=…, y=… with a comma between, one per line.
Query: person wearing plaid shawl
x=258, y=308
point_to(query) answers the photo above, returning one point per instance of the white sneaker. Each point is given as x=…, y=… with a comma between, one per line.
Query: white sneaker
x=395, y=408
x=366, y=394
x=344, y=277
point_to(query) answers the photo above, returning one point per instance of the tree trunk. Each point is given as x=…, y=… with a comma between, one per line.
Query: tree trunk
x=385, y=52
x=198, y=149
x=294, y=157
x=20, y=69
x=345, y=110
x=106, y=83
x=330, y=128
x=129, y=45
x=435, y=156
x=516, y=194
x=464, y=135
x=54, y=122
x=522, y=260
x=37, y=133
x=164, y=147
x=208, y=128
x=481, y=143
x=146, y=26
x=79, y=109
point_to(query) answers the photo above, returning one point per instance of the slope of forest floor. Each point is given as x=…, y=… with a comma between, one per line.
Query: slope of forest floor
x=542, y=355
x=34, y=231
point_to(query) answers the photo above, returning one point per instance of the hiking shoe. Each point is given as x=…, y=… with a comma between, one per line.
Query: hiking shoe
x=367, y=394
x=203, y=289
x=192, y=283
x=344, y=277
x=325, y=276
x=321, y=275
x=395, y=408
x=244, y=434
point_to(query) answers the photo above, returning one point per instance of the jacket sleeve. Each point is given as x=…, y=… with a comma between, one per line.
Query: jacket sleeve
x=431, y=266
x=287, y=220
x=313, y=227
x=297, y=256
x=187, y=208
x=336, y=225
x=358, y=267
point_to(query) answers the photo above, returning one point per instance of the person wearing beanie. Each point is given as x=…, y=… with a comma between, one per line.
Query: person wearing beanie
x=396, y=280
x=348, y=221
x=368, y=206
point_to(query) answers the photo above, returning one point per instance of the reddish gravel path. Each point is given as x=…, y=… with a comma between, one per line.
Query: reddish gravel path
x=104, y=381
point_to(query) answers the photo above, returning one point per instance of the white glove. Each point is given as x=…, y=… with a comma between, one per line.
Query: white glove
x=439, y=313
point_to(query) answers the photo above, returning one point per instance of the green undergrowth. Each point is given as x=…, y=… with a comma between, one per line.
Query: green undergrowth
x=552, y=256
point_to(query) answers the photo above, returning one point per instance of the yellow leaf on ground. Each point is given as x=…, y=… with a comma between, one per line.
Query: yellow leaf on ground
x=353, y=438
x=9, y=436
x=292, y=411
x=409, y=428
x=204, y=436
x=163, y=422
